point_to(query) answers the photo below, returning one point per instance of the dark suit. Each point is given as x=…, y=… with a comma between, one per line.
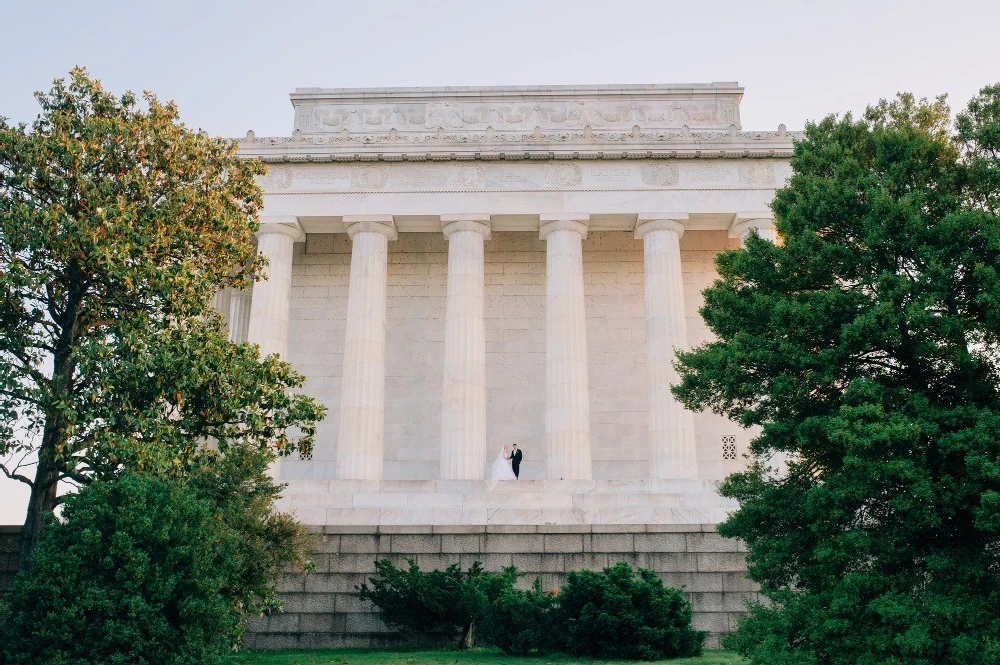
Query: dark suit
x=515, y=463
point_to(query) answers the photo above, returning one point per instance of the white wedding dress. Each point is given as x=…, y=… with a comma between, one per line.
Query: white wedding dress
x=501, y=469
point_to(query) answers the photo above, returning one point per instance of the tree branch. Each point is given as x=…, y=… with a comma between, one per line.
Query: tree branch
x=15, y=476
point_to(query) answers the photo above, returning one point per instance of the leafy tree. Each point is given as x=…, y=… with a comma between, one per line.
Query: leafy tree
x=866, y=345
x=138, y=572
x=118, y=224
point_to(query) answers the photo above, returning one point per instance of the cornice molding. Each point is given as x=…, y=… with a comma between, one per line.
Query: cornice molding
x=536, y=146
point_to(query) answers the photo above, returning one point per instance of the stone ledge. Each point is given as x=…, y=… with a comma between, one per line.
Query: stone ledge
x=459, y=529
x=552, y=506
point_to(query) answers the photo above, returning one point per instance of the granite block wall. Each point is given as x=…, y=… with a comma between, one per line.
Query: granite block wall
x=322, y=609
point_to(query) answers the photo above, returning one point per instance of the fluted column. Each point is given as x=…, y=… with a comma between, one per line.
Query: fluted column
x=745, y=222
x=271, y=301
x=223, y=304
x=239, y=315
x=463, y=398
x=671, y=426
x=763, y=223
x=567, y=387
x=362, y=395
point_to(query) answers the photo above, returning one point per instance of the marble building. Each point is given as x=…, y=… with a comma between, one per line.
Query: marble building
x=458, y=268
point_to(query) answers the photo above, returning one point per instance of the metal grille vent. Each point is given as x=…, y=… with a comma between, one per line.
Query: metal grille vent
x=729, y=447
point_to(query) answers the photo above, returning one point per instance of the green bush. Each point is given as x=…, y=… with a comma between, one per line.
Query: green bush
x=609, y=614
x=438, y=604
x=522, y=622
x=617, y=614
x=135, y=573
x=266, y=542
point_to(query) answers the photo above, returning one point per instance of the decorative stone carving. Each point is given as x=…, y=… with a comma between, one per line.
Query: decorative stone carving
x=756, y=173
x=314, y=118
x=661, y=174
x=563, y=175
x=369, y=177
x=707, y=174
x=521, y=174
x=467, y=176
x=276, y=178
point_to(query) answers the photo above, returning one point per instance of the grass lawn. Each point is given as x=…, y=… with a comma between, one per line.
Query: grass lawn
x=473, y=657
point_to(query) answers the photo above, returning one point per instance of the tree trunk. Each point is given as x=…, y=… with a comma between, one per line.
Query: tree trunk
x=469, y=635
x=41, y=503
x=43, y=491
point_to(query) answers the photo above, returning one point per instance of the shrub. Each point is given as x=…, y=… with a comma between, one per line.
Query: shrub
x=134, y=573
x=618, y=614
x=266, y=543
x=522, y=622
x=437, y=604
x=614, y=614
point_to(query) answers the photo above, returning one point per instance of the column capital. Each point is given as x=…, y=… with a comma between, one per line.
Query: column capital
x=744, y=222
x=286, y=225
x=383, y=224
x=480, y=223
x=578, y=222
x=648, y=222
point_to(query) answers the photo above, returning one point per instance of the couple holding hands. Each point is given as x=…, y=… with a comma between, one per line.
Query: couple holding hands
x=507, y=465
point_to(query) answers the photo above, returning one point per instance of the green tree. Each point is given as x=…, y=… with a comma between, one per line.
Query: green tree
x=523, y=622
x=118, y=225
x=140, y=571
x=623, y=614
x=438, y=604
x=866, y=346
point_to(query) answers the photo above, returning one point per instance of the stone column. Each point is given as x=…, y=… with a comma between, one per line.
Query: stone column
x=270, y=303
x=567, y=387
x=671, y=426
x=239, y=315
x=463, y=398
x=745, y=222
x=223, y=304
x=362, y=395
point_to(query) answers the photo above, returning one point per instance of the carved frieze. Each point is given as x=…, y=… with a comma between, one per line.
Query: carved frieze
x=609, y=122
x=756, y=173
x=467, y=176
x=659, y=174
x=563, y=174
x=452, y=115
x=276, y=178
x=369, y=177
x=523, y=176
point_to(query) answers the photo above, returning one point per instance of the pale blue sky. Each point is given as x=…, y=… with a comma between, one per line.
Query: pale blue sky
x=231, y=65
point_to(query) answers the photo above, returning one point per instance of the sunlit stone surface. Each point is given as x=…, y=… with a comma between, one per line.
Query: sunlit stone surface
x=456, y=269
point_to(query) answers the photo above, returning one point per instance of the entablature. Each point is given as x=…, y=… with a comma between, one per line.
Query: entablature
x=519, y=123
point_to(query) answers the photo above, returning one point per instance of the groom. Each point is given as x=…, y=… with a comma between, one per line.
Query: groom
x=515, y=461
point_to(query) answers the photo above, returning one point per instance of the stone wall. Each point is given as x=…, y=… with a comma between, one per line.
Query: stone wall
x=515, y=349
x=322, y=609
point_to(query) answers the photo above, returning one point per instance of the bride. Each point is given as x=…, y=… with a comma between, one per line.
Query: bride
x=501, y=466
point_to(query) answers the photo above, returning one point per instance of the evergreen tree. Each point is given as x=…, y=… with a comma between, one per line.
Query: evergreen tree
x=867, y=345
